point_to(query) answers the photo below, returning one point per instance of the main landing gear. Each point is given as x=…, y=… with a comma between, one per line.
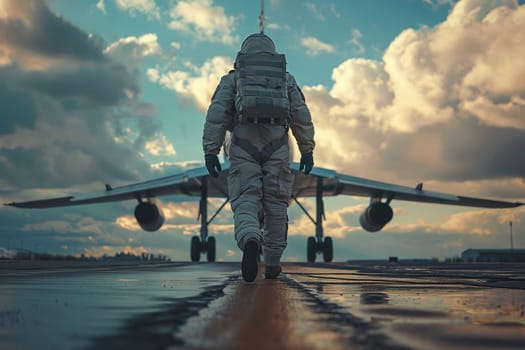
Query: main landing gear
x=204, y=244
x=325, y=247
x=316, y=245
x=199, y=247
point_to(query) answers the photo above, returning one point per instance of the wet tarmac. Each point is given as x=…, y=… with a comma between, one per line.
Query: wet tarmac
x=88, y=305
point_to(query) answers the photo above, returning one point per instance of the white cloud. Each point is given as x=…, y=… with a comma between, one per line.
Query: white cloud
x=153, y=74
x=160, y=145
x=472, y=222
x=322, y=11
x=69, y=224
x=363, y=84
x=476, y=222
x=451, y=70
x=197, y=85
x=457, y=67
x=128, y=222
x=429, y=106
x=176, y=166
x=315, y=11
x=132, y=49
x=315, y=46
x=203, y=21
x=101, y=6
x=184, y=214
x=356, y=36
x=334, y=11
x=148, y=7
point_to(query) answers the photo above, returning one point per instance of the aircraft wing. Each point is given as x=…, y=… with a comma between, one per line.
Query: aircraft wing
x=332, y=183
x=323, y=181
x=188, y=183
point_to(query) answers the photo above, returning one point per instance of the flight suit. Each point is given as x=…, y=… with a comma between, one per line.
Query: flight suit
x=260, y=180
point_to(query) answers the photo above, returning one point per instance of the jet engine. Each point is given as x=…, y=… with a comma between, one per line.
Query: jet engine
x=149, y=216
x=376, y=216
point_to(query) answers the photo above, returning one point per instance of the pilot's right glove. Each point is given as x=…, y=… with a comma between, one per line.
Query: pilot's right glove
x=212, y=164
x=307, y=163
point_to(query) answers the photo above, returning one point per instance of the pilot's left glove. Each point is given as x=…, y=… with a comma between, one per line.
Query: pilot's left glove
x=307, y=163
x=212, y=164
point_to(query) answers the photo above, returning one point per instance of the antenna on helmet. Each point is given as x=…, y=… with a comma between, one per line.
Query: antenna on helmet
x=261, y=18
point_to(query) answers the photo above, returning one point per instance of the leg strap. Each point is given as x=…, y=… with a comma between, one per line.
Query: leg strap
x=260, y=156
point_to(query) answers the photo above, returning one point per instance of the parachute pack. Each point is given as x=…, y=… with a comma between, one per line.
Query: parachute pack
x=262, y=94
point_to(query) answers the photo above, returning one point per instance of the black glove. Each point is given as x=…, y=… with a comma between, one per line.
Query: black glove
x=212, y=164
x=307, y=163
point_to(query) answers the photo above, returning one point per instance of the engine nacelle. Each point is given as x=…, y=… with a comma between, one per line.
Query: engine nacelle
x=376, y=216
x=149, y=216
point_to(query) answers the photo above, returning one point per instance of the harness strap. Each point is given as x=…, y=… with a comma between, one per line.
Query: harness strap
x=263, y=120
x=265, y=154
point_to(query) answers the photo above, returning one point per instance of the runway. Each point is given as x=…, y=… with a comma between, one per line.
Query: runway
x=365, y=305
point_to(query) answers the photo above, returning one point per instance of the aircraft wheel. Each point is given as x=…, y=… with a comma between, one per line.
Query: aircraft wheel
x=210, y=249
x=311, y=249
x=195, y=250
x=328, y=249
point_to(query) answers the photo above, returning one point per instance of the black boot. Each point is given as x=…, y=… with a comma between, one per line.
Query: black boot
x=249, y=260
x=272, y=272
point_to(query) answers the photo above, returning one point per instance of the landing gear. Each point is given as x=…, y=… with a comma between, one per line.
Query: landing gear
x=311, y=249
x=210, y=249
x=325, y=247
x=197, y=248
x=204, y=244
x=315, y=245
x=328, y=250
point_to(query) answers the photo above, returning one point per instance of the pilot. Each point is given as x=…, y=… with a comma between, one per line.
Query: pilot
x=258, y=102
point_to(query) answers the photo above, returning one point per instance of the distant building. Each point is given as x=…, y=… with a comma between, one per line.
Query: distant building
x=493, y=255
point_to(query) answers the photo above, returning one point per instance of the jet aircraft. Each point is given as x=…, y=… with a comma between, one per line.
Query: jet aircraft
x=319, y=183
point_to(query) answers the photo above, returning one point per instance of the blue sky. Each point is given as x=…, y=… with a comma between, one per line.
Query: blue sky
x=116, y=91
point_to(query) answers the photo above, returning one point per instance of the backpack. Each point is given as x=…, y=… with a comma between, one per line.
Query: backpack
x=262, y=93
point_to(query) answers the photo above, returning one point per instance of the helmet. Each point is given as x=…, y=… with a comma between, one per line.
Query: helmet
x=256, y=43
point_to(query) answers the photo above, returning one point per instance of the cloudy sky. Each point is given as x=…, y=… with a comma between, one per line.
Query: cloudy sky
x=115, y=91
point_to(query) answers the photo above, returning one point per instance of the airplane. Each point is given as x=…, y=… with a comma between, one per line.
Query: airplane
x=321, y=182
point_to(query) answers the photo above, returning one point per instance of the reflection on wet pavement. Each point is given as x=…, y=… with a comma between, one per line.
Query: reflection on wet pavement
x=463, y=307
x=311, y=306
x=267, y=314
x=66, y=308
